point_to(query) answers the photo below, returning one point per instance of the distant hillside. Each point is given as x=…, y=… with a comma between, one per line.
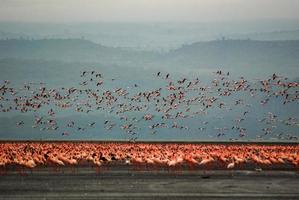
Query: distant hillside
x=239, y=55
x=268, y=36
x=67, y=50
x=246, y=54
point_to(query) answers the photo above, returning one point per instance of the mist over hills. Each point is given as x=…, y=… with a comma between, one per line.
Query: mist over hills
x=69, y=50
x=242, y=56
x=268, y=36
x=153, y=36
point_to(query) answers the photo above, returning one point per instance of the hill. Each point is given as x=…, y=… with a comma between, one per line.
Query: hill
x=67, y=50
x=242, y=56
x=238, y=55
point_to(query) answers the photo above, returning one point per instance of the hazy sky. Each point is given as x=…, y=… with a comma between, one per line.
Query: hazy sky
x=146, y=10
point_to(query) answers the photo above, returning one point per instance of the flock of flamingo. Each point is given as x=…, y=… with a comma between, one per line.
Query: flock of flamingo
x=167, y=106
x=205, y=156
x=172, y=105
